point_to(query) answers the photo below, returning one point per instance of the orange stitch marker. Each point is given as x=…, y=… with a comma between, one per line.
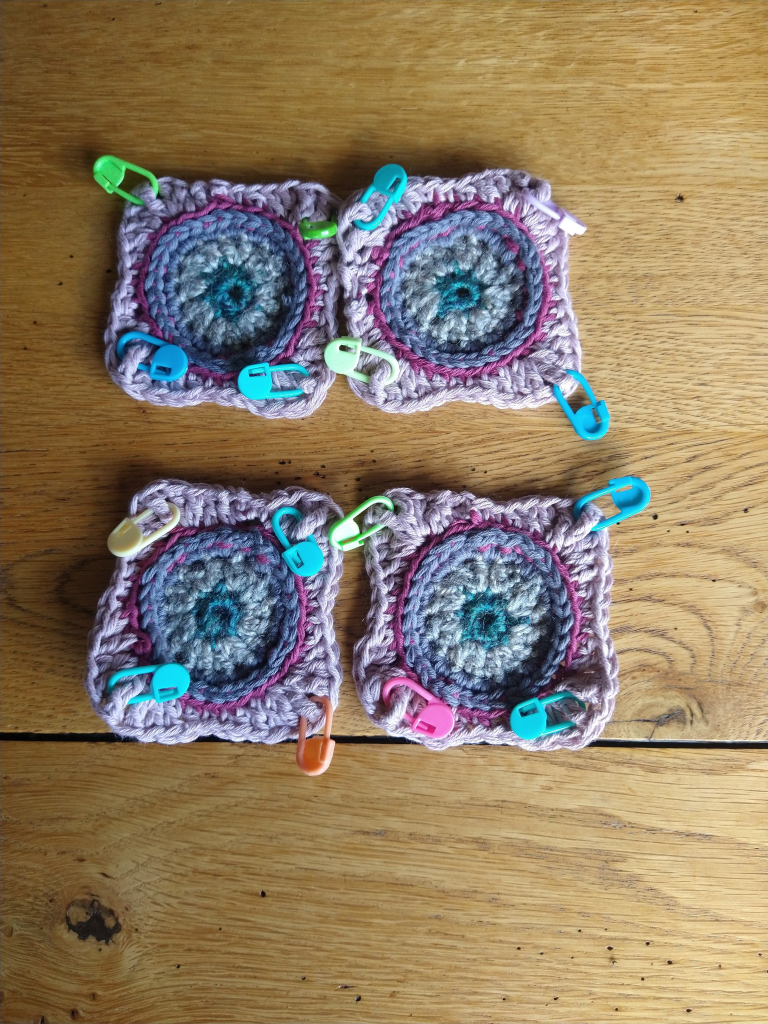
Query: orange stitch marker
x=313, y=756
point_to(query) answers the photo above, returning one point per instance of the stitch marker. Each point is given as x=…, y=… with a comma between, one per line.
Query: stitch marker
x=343, y=354
x=304, y=558
x=168, y=682
x=127, y=539
x=591, y=421
x=345, y=534
x=528, y=720
x=109, y=171
x=311, y=230
x=168, y=363
x=630, y=495
x=435, y=719
x=567, y=222
x=313, y=756
x=255, y=381
x=389, y=181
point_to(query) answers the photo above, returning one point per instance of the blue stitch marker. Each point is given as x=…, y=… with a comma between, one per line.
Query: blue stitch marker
x=168, y=363
x=389, y=181
x=255, y=382
x=304, y=558
x=529, y=719
x=591, y=421
x=630, y=495
x=168, y=682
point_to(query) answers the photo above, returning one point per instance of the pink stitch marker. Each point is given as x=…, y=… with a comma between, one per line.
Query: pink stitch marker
x=434, y=720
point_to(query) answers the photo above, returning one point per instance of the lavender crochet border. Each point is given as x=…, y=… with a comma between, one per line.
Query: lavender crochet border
x=592, y=673
x=291, y=201
x=269, y=717
x=523, y=381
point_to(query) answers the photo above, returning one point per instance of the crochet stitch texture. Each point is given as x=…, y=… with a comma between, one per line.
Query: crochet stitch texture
x=222, y=271
x=216, y=596
x=466, y=284
x=487, y=604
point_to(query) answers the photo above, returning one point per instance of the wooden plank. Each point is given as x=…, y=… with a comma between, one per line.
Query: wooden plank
x=689, y=599
x=624, y=106
x=480, y=884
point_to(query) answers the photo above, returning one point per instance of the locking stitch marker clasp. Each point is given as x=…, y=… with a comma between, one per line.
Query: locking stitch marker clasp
x=168, y=363
x=528, y=720
x=345, y=534
x=127, y=539
x=567, y=222
x=434, y=720
x=168, y=682
x=109, y=171
x=255, y=381
x=343, y=354
x=591, y=421
x=313, y=756
x=389, y=181
x=630, y=495
x=304, y=558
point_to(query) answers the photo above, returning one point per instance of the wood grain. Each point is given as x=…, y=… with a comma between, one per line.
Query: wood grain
x=480, y=884
x=649, y=120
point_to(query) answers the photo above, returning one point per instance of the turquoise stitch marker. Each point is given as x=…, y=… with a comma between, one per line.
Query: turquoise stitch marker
x=389, y=181
x=591, y=421
x=529, y=719
x=255, y=381
x=109, y=171
x=168, y=363
x=304, y=558
x=630, y=495
x=345, y=534
x=168, y=682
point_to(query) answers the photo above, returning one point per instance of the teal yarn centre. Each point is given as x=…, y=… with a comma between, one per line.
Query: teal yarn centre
x=217, y=614
x=487, y=621
x=230, y=290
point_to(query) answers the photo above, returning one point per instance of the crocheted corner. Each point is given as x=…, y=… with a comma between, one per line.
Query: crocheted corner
x=222, y=271
x=485, y=605
x=466, y=284
x=216, y=596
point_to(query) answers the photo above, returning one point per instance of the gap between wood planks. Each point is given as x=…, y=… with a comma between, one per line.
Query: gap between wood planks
x=109, y=737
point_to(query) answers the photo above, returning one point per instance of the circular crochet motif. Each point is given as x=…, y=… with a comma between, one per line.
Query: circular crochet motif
x=486, y=619
x=224, y=605
x=229, y=286
x=464, y=290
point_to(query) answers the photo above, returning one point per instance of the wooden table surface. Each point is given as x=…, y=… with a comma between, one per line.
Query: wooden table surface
x=215, y=883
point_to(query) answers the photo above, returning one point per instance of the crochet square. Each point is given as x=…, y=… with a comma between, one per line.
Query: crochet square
x=486, y=605
x=465, y=282
x=215, y=596
x=222, y=271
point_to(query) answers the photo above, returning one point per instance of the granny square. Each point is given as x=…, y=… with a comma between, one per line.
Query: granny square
x=222, y=272
x=487, y=605
x=465, y=282
x=216, y=596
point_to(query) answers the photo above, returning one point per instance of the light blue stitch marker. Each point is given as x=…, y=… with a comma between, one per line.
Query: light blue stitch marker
x=529, y=719
x=591, y=421
x=255, y=381
x=304, y=558
x=630, y=495
x=168, y=363
x=388, y=181
x=167, y=683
